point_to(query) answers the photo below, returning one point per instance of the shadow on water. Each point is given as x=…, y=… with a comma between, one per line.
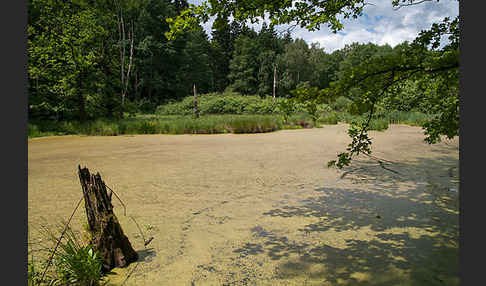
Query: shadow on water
x=146, y=255
x=402, y=228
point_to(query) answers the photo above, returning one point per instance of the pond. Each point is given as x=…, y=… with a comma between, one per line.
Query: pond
x=264, y=209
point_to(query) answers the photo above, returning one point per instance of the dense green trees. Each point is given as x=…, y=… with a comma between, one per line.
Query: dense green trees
x=98, y=58
x=223, y=39
x=68, y=50
x=90, y=59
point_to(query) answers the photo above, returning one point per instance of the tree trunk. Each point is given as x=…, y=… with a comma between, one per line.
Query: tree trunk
x=274, y=80
x=196, y=111
x=107, y=235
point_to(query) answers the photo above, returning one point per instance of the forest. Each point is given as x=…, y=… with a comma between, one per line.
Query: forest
x=109, y=60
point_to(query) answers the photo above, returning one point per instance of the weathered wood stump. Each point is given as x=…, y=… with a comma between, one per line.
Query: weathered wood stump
x=106, y=233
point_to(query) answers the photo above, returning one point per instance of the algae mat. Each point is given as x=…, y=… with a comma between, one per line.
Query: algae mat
x=264, y=209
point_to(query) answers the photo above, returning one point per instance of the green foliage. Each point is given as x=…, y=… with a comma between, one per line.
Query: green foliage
x=147, y=127
x=308, y=14
x=220, y=103
x=287, y=107
x=80, y=53
x=243, y=67
x=435, y=78
x=190, y=125
x=378, y=124
x=294, y=66
x=361, y=143
x=101, y=127
x=34, y=273
x=222, y=47
x=76, y=71
x=261, y=106
x=368, y=73
x=255, y=124
x=310, y=98
x=446, y=123
x=73, y=263
x=78, y=265
x=174, y=124
x=300, y=120
x=64, y=70
x=341, y=103
x=183, y=107
x=329, y=118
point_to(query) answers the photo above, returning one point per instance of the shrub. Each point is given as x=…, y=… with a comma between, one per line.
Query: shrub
x=220, y=103
x=131, y=108
x=261, y=106
x=145, y=106
x=323, y=108
x=310, y=97
x=341, y=103
x=329, y=118
x=33, y=130
x=183, y=107
x=286, y=107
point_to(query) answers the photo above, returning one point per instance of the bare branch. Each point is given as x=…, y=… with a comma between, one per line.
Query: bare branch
x=289, y=29
x=410, y=4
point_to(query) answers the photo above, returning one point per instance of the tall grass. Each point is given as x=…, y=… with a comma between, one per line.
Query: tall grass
x=254, y=124
x=217, y=123
x=74, y=262
x=299, y=120
x=379, y=124
x=381, y=121
x=209, y=124
x=78, y=264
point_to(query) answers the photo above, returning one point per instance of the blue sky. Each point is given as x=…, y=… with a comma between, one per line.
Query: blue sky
x=380, y=24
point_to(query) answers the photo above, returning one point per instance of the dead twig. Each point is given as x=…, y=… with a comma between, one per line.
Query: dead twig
x=145, y=242
x=140, y=230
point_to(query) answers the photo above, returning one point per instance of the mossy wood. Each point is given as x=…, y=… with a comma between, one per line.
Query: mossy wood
x=107, y=235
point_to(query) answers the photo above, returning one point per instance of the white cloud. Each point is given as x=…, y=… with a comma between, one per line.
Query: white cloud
x=380, y=24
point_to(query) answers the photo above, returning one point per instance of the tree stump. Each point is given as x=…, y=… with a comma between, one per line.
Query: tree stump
x=106, y=233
